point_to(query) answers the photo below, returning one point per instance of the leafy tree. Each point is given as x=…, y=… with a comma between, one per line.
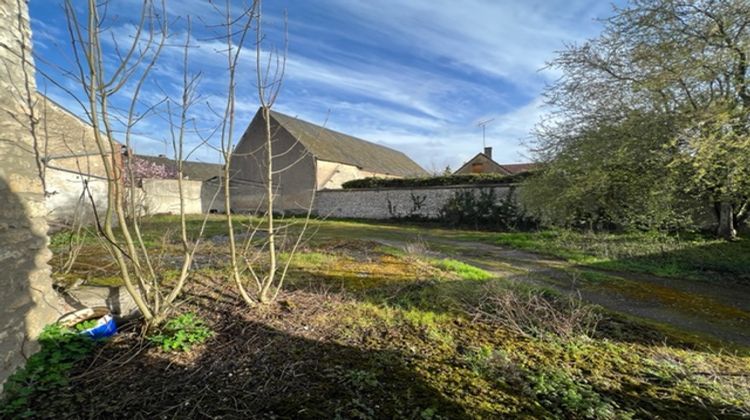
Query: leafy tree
x=612, y=176
x=681, y=61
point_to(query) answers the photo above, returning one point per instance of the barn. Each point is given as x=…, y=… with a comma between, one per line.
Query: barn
x=308, y=157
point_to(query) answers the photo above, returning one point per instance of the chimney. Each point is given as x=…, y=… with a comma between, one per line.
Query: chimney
x=488, y=152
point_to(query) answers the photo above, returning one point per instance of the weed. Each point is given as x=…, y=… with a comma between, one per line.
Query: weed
x=563, y=395
x=361, y=379
x=45, y=371
x=182, y=333
x=479, y=359
x=417, y=248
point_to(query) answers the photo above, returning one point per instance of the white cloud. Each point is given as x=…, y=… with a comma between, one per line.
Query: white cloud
x=414, y=75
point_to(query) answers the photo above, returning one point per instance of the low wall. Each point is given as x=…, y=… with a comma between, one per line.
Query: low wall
x=389, y=203
x=162, y=196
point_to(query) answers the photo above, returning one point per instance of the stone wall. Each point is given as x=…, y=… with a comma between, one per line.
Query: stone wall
x=162, y=196
x=388, y=203
x=27, y=300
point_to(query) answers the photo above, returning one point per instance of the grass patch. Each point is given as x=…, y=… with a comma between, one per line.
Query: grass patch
x=365, y=330
x=462, y=270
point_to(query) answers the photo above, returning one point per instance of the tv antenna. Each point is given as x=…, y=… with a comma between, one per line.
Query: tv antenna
x=484, y=125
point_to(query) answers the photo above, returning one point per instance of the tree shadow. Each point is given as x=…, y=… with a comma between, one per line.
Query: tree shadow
x=250, y=370
x=720, y=263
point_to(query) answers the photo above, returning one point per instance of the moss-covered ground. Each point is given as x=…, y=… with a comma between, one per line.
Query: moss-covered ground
x=386, y=321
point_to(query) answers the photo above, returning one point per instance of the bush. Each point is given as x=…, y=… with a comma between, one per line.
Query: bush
x=182, y=333
x=466, y=208
x=435, y=181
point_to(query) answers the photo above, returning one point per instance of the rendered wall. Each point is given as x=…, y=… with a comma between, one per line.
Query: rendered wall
x=27, y=300
x=388, y=203
x=330, y=175
x=71, y=156
x=162, y=196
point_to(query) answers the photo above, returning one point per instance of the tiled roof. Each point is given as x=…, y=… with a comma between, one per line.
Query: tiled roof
x=333, y=146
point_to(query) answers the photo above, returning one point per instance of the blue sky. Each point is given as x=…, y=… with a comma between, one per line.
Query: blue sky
x=414, y=75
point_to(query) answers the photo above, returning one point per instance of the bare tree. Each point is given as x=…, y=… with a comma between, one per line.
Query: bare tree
x=261, y=259
x=101, y=83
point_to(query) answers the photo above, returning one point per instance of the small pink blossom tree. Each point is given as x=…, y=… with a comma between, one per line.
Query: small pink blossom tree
x=145, y=169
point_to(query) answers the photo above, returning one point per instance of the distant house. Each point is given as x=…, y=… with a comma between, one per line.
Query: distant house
x=482, y=163
x=309, y=157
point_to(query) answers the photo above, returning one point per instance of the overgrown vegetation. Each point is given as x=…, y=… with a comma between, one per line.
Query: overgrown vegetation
x=485, y=210
x=435, y=181
x=651, y=129
x=367, y=330
x=46, y=371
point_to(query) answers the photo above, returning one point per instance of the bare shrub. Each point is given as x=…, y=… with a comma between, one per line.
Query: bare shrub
x=416, y=248
x=534, y=313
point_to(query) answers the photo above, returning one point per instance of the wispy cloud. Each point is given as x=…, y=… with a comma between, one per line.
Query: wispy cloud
x=415, y=75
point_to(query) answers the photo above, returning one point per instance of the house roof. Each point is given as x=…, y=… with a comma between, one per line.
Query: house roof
x=198, y=171
x=503, y=168
x=495, y=167
x=326, y=144
x=514, y=168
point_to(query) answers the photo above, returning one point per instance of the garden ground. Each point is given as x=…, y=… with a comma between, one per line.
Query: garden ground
x=384, y=321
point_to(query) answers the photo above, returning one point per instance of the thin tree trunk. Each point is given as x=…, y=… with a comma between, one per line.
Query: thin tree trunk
x=269, y=191
x=726, y=229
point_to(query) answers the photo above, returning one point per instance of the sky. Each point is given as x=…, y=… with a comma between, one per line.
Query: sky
x=416, y=75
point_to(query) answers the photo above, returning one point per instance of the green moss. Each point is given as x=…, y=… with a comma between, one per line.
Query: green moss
x=463, y=270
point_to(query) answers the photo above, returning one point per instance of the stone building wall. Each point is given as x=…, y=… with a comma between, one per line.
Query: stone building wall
x=293, y=184
x=27, y=300
x=70, y=157
x=388, y=203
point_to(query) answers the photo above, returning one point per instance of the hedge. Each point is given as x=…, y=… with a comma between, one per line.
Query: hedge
x=435, y=181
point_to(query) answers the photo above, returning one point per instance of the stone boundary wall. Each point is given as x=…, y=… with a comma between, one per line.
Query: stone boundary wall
x=27, y=300
x=390, y=203
x=162, y=196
